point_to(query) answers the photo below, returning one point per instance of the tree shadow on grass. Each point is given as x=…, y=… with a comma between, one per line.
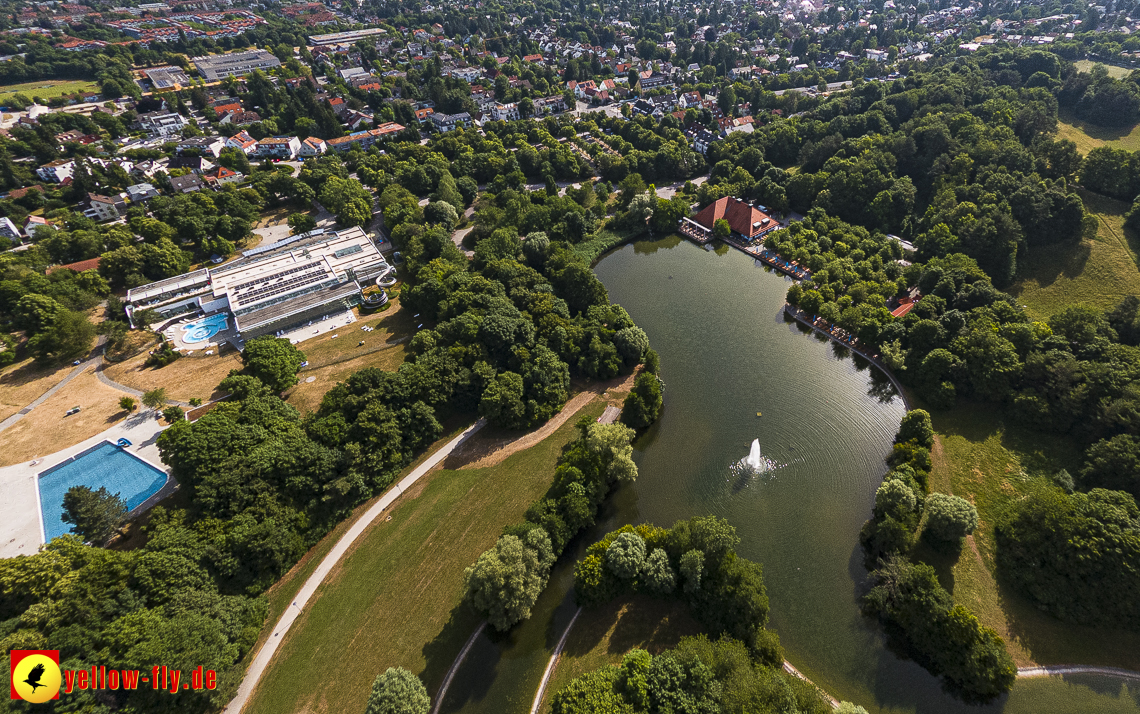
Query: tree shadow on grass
x=1094, y=131
x=1049, y=640
x=440, y=652
x=1046, y=264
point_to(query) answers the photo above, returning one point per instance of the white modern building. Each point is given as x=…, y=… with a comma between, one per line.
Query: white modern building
x=162, y=123
x=56, y=171
x=278, y=147
x=235, y=64
x=275, y=287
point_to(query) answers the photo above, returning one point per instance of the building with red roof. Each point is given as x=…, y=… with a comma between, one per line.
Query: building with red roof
x=744, y=218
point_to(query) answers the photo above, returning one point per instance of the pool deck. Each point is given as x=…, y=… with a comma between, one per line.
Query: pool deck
x=21, y=532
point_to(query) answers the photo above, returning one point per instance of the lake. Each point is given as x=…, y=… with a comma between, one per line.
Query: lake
x=827, y=421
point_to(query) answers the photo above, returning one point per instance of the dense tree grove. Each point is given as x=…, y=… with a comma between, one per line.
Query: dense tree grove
x=695, y=560
x=945, y=638
x=1075, y=554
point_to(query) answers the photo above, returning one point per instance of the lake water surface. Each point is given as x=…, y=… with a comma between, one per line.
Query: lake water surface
x=828, y=420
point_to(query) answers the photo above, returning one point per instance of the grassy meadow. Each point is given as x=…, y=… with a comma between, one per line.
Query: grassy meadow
x=396, y=597
x=45, y=88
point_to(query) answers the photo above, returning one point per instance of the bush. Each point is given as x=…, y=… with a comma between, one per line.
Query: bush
x=164, y=355
x=916, y=427
x=128, y=404
x=154, y=398
x=398, y=691
x=173, y=414
x=506, y=581
x=950, y=518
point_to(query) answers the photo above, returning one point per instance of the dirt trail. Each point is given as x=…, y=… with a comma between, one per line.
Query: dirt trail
x=618, y=384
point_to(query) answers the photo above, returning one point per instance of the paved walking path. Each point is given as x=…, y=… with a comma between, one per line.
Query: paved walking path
x=552, y=663
x=1056, y=670
x=124, y=388
x=263, y=657
x=442, y=693
x=47, y=395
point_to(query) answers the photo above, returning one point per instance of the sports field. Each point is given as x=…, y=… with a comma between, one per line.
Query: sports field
x=45, y=88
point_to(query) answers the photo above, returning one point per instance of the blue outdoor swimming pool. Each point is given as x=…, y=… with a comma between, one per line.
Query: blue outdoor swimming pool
x=103, y=465
x=204, y=329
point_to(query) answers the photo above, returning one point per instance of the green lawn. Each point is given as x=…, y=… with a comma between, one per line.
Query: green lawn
x=1097, y=273
x=1117, y=72
x=1089, y=136
x=991, y=462
x=45, y=88
x=396, y=598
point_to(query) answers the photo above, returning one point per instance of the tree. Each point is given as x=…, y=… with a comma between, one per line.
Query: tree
x=273, y=360
x=94, y=515
x=1113, y=464
x=950, y=518
x=502, y=401
x=441, y=213
x=34, y=313
x=127, y=404
x=721, y=229
x=301, y=223
x=68, y=337
x=173, y=413
x=154, y=398
x=643, y=403
x=657, y=576
x=506, y=580
x=692, y=568
x=625, y=557
x=916, y=426
x=398, y=691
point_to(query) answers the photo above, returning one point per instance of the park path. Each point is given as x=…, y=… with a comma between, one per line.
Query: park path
x=10, y=421
x=124, y=388
x=1057, y=670
x=264, y=655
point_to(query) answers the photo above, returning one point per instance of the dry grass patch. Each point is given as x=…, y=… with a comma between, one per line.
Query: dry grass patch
x=21, y=383
x=186, y=378
x=46, y=430
x=306, y=396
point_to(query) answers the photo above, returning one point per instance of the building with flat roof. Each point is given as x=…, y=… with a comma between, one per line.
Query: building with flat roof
x=344, y=38
x=274, y=287
x=234, y=64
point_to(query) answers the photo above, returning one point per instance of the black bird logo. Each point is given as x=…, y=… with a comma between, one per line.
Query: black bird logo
x=34, y=677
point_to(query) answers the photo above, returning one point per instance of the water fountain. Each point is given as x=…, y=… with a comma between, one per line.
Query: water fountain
x=753, y=459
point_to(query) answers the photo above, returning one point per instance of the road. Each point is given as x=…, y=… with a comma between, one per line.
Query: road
x=265, y=655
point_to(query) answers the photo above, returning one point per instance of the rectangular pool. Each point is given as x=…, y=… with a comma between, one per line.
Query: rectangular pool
x=103, y=465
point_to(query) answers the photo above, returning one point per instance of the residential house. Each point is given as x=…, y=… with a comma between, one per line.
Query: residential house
x=242, y=141
x=9, y=230
x=240, y=118
x=186, y=184
x=106, y=208
x=449, y=122
x=220, y=176
x=162, y=123
x=424, y=113
x=57, y=170
x=197, y=164
x=648, y=81
x=31, y=223
x=141, y=192
x=313, y=147
x=505, y=112
x=279, y=147
x=202, y=146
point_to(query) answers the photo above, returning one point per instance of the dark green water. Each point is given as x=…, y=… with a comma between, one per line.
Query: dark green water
x=828, y=421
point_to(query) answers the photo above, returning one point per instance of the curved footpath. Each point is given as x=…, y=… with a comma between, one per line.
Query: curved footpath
x=264, y=655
